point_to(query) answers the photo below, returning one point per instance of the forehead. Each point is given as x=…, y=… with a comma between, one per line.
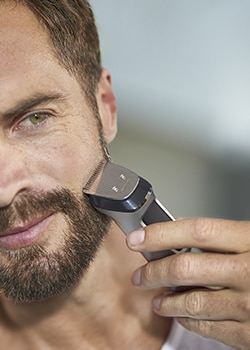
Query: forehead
x=27, y=61
x=19, y=27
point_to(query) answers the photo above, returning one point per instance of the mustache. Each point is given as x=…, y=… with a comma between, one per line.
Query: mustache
x=36, y=204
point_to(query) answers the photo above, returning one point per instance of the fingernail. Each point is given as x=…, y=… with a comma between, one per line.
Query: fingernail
x=136, y=237
x=136, y=278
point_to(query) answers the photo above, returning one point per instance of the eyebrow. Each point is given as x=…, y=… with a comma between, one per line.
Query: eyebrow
x=29, y=103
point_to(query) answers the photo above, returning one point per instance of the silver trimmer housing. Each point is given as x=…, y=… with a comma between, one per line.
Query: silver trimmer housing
x=130, y=201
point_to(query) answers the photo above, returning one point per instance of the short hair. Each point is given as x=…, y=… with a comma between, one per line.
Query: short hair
x=73, y=32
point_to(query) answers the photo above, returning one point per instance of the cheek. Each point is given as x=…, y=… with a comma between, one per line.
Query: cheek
x=66, y=162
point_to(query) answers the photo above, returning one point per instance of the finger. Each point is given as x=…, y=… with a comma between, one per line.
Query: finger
x=233, y=334
x=204, y=304
x=207, y=234
x=192, y=269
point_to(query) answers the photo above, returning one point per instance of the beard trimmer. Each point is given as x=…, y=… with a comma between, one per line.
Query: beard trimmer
x=129, y=200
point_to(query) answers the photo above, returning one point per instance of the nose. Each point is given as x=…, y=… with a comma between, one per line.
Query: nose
x=13, y=174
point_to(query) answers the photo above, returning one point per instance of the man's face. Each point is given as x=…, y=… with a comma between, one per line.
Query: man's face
x=49, y=147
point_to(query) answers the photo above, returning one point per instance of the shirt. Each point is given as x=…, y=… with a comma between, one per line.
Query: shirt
x=180, y=338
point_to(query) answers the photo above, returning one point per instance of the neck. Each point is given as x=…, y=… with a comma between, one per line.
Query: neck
x=103, y=311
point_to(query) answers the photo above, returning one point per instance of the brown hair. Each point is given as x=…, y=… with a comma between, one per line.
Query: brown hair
x=72, y=29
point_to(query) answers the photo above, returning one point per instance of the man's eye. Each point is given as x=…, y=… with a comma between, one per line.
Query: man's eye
x=37, y=118
x=32, y=121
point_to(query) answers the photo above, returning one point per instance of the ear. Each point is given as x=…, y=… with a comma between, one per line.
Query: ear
x=107, y=106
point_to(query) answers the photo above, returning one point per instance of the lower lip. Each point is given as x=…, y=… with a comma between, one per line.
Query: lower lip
x=25, y=238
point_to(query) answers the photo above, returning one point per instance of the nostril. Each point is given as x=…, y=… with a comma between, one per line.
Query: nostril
x=9, y=190
x=14, y=174
x=6, y=196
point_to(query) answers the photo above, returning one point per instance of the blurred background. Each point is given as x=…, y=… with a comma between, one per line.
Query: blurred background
x=180, y=72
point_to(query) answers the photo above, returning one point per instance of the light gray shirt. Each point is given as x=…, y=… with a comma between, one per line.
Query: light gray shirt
x=181, y=339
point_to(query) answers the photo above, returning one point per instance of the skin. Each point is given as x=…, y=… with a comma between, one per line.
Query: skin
x=220, y=311
x=103, y=310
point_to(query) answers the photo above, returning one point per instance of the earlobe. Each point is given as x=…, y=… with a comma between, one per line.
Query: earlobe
x=107, y=106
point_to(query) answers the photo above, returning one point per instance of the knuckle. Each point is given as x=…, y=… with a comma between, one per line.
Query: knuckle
x=180, y=267
x=245, y=306
x=193, y=304
x=203, y=328
x=202, y=230
x=148, y=274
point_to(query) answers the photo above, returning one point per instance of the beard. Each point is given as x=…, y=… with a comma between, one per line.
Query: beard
x=32, y=274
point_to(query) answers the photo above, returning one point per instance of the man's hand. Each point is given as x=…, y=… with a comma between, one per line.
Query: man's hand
x=220, y=311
